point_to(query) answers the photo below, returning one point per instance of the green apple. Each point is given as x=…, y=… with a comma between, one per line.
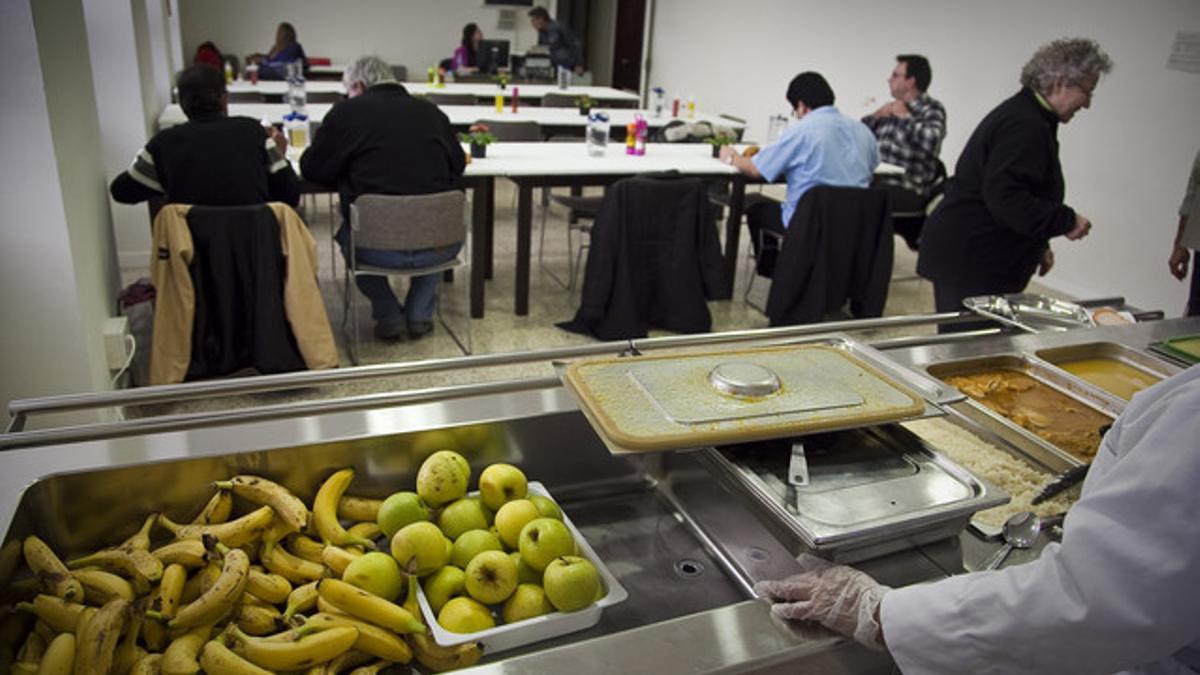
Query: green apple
x=461, y=515
x=546, y=506
x=470, y=544
x=528, y=601
x=443, y=477
x=448, y=582
x=513, y=516
x=525, y=573
x=500, y=483
x=400, y=509
x=491, y=577
x=464, y=615
x=471, y=437
x=543, y=540
x=377, y=573
x=420, y=548
x=571, y=583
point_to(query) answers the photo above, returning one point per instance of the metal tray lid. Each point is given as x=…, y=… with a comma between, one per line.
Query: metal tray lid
x=673, y=401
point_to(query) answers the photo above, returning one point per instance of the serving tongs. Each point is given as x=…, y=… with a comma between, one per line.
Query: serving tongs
x=1063, y=482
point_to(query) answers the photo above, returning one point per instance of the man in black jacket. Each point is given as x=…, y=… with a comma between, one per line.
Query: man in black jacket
x=212, y=159
x=1005, y=203
x=381, y=140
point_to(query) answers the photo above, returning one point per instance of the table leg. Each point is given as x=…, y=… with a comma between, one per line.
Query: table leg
x=480, y=227
x=733, y=230
x=489, y=240
x=524, y=239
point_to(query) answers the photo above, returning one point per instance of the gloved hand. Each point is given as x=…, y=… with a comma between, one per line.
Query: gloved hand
x=838, y=597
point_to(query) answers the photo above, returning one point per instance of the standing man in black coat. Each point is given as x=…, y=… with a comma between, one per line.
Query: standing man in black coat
x=381, y=140
x=1005, y=203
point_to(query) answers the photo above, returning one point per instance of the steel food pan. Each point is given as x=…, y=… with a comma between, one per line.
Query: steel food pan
x=1149, y=367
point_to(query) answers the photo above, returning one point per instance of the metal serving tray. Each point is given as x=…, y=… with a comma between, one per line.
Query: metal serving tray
x=1048, y=454
x=871, y=491
x=1029, y=311
x=678, y=400
x=1140, y=361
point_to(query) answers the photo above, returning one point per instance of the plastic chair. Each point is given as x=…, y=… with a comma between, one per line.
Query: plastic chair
x=513, y=131
x=438, y=98
x=555, y=100
x=405, y=223
x=400, y=72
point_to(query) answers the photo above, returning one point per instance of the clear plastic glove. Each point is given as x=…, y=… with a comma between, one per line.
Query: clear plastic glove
x=838, y=597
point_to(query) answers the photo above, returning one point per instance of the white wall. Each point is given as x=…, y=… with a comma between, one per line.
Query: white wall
x=1126, y=160
x=415, y=33
x=57, y=258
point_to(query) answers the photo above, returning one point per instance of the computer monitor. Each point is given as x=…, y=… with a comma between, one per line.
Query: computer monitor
x=493, y=55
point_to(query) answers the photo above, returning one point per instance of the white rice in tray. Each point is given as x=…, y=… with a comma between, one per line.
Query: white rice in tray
x=1020, y=479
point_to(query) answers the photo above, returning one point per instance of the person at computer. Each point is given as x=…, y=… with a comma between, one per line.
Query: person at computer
x=466, y=55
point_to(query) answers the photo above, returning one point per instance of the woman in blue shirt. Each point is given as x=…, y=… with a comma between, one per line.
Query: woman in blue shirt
x=273, y=65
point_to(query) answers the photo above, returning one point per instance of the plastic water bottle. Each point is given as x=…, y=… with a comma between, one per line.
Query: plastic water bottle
x=639, y=133
x=775, y=126
x=297, y=96
x=597, y=134
x=296, y=125
x=499, y=103
x=228, y=73
x=564, y=77
x=660, y=101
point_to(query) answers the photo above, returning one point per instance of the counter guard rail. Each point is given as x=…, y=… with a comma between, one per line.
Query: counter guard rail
x=23, y=410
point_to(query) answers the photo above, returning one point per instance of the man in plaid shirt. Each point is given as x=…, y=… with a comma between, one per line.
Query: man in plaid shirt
x=910, y=130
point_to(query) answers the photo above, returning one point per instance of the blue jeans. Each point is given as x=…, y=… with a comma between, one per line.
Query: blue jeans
x=422, y=290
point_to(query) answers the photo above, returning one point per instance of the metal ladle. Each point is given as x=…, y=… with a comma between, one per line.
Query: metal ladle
x=1020, y=531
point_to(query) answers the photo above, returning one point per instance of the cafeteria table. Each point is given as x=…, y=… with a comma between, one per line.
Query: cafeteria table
x=462, y=116
x=482, y=90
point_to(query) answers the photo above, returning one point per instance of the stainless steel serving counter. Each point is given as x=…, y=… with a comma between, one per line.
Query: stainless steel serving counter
x=684, y=547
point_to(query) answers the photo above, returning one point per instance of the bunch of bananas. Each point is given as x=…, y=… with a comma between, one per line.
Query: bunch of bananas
x=254, y=594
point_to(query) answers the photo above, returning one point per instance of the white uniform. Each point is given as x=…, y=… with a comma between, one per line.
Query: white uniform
x=1122, y=591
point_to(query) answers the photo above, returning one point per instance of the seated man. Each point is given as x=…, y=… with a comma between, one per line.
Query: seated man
x=212, y=159
x=824, y=148
x=381, y=140
x=910, y=130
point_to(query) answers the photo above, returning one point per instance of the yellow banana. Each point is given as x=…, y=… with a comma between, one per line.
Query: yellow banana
x=182, y=655
x=262, y=491
x=199, y=582
x=372, y=639
x=154, y=635
x=59, y=614
x=217, y=659
x=357, y=602
x=274, y=588
x=301, y=599
x=170, y=590
x=31, y=652
x=293, y=654
x=99, y=586
x=216, y=511
x=324, y=513
x=42, y=628
x=141, y=538
x=342, y=662
x=150, y=664
x=371, y=669
x=97, y=639
x=10, y=558
x=217, y=600
x=256, y=620
x=276, y=531
x=50, y=571
x=366, y=530
x=358, y=508
x=187, y=552
x=296, y=570
x=337, y=558
x=59, y=658
x=128, y=652
x=306, y=547
x=429, y=653
x=326, y=607
x=233, y=533
x=135, y=564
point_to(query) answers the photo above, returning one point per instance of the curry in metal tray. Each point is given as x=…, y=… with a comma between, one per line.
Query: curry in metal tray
x=1055, y=417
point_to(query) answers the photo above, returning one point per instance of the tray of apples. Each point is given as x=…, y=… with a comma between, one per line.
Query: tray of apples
x=502, y=566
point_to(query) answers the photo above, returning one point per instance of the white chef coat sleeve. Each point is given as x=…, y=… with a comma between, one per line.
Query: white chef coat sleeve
x=1121, y=591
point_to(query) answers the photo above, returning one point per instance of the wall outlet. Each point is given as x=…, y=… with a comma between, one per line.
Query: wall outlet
x=116, y=344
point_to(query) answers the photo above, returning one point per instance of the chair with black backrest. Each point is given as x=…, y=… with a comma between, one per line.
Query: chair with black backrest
x=440, y=98
x=578, y=206
x=556, y=100
x=837, y=248
x=405, y=223
x=324, y=96
x=400, y=72
x=908, y=224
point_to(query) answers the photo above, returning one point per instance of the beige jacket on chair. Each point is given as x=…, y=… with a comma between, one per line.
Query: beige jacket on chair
x=175, y=302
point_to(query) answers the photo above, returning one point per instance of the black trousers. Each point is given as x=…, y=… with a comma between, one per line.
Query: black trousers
x=948, y=297
x=1193, y=306
x=765, y=215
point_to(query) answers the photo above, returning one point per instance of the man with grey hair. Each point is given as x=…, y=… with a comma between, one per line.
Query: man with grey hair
x=381, y=140
x=1005, y=203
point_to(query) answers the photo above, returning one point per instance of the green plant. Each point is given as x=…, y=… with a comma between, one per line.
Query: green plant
x=721, y=139
x=478, y=134
x=501, y=79
x=584, y=101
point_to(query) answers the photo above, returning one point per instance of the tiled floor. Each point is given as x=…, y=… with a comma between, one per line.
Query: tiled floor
x=501, y=330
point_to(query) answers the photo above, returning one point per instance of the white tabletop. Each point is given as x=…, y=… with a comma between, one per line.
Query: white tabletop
x=331, y=69
x=460, y=115
x=571, y=159
x=477, y=89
